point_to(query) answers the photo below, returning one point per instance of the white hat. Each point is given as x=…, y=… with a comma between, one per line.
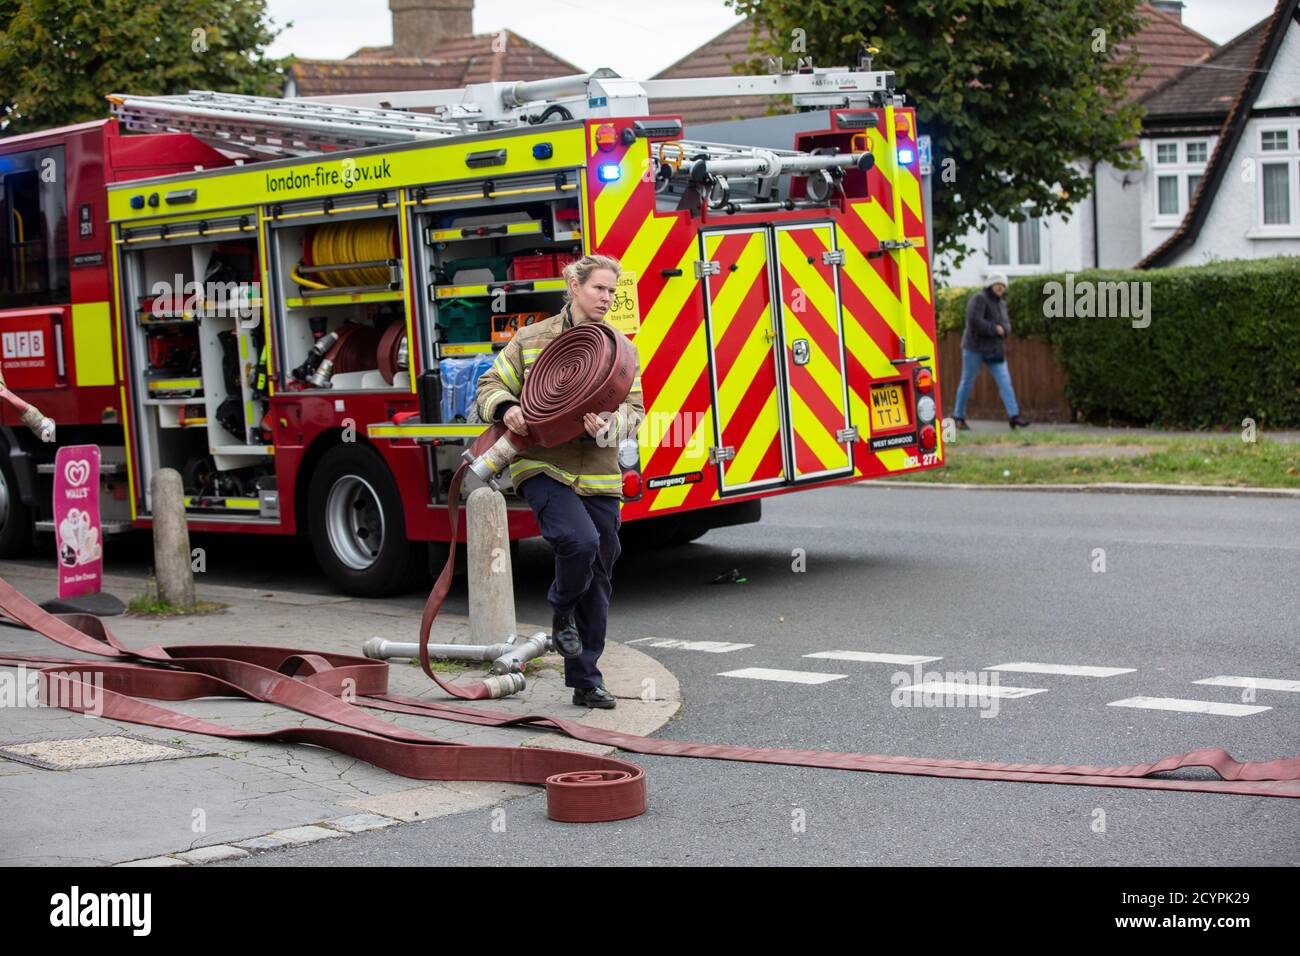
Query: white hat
x=997, y=278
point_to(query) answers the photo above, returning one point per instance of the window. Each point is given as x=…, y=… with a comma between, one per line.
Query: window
x=1018, y=246
x=1279, y=179
x=33, y=229
x=1027, y=237
x=1177, y=179
x=999, y=242
x=1168, y=195
x=1274, y=140
x=1277, y=194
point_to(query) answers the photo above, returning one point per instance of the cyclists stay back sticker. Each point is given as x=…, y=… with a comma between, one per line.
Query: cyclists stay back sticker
x=625, y=313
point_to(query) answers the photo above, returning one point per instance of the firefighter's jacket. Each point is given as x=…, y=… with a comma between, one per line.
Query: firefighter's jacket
x=587, y=465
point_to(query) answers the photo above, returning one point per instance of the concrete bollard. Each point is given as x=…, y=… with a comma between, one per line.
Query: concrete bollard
x=171, y=539
x=491, y=583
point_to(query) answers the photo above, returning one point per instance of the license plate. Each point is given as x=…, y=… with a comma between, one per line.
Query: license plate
x=888, y=410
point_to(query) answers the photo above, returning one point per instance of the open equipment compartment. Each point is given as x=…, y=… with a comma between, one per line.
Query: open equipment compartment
x=339, y=296
x=195, y=353
x=490, y=253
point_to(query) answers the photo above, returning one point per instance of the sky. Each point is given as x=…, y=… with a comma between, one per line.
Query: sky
x=636, y=39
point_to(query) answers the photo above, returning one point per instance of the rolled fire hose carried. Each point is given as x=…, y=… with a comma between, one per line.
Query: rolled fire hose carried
x=587, y=369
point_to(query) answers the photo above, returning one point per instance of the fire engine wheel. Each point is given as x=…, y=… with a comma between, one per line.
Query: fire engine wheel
x=357, y=526
x=15, y=517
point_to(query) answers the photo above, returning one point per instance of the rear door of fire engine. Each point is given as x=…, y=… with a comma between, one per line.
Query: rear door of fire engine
x=776, y=344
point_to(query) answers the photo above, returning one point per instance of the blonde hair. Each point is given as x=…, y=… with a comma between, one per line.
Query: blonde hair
x=582, y=269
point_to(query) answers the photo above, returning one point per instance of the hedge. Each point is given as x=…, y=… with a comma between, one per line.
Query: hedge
x=1223, y=343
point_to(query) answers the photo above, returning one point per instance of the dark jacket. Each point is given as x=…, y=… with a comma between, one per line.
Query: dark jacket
x=984, y=313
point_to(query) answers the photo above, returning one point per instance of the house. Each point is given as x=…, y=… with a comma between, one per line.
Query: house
x=1168, y=49
x=1243, y=119
x=1106, y=229
x=434, y=47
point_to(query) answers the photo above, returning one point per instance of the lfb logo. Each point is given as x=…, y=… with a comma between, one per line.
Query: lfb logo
x=77, y=471
x=24, y=344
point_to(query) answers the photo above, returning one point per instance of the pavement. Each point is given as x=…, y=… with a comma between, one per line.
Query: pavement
x=131, y=795
x=1116, y=431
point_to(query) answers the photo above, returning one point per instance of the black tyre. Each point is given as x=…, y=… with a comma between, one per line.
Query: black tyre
x=16, y=527
x=357, y=526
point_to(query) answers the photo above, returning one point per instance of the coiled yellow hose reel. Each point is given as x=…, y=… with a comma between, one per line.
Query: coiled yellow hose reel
x=340, y=243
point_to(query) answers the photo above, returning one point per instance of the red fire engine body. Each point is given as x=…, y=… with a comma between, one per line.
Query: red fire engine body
x=781, y=302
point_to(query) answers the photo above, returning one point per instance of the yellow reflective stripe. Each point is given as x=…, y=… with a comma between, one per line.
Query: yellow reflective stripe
x=507, y=372
x=496, y=397
x=522, y=464
x=522, y=468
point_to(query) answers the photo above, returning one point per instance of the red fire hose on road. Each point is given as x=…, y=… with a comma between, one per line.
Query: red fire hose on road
x=579, y=787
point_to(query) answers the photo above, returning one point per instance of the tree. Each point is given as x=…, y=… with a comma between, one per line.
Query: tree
x=59, y=58
x=1018, y=96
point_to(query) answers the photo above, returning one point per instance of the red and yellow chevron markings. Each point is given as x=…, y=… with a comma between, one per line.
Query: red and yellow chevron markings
x=810, y=315
x=740, y=318
x=886, y=297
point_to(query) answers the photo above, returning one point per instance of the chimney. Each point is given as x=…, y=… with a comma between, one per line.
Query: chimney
x=1171, y=8
x=420, y=26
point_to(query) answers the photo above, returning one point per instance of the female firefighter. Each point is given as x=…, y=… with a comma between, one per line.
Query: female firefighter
x=574, y=489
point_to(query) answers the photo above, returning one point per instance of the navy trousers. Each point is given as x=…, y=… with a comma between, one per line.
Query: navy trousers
x=583, y=530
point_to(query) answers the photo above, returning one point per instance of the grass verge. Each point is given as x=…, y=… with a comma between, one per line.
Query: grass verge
x=1044, y=458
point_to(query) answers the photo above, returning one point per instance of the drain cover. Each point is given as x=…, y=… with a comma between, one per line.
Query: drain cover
x=76, y=753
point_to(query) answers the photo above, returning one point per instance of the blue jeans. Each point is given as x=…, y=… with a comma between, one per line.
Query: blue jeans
x=970, y=370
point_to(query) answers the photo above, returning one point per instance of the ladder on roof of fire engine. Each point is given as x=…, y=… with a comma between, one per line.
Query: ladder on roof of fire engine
x=271, y=127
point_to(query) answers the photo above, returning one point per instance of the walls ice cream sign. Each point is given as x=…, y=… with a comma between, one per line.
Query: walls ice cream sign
x=76, y=520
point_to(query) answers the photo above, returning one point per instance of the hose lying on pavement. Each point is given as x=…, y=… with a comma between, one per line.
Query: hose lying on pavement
x=579, y=787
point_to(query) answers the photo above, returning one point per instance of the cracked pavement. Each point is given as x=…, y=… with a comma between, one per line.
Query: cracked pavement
x=238, y=790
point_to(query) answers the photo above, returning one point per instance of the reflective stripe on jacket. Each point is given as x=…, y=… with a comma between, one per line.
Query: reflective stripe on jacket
x=588, y=466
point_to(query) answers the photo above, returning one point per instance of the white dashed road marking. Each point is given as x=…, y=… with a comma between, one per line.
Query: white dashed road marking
x=972, y=689
x=870, y=658
x=712, y=647
x=1259, y=683
x=791, y=677
x=1189, y=706
x=1072, y=670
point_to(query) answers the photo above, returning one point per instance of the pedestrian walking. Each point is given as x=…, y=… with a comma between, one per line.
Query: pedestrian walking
x=988, y=324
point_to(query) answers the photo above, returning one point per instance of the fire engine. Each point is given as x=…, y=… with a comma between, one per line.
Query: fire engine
x=290, y=301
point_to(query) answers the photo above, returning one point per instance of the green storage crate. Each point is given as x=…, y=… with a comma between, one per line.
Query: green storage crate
x=465, y=320
x=497, y=265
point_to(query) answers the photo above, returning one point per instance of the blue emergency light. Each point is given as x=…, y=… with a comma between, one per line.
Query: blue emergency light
x=906, y=156
x=608, y=172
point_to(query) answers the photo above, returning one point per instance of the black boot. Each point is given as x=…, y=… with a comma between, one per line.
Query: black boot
x=594, y=697
x=1019, y=422
x=961, y=425
x=564, y=635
